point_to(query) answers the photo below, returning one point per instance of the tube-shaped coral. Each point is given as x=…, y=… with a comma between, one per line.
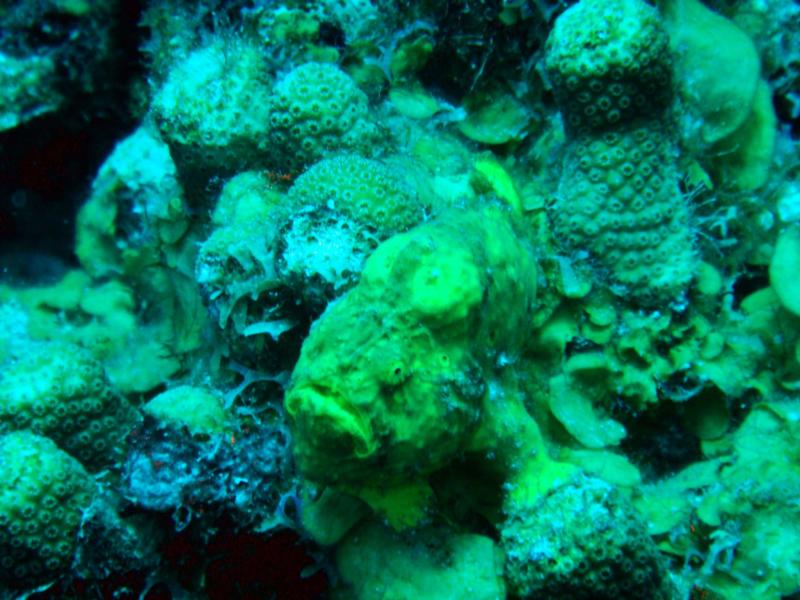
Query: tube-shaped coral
x=618, y=197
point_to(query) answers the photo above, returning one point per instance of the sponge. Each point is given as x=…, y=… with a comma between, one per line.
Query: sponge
x=390, y=381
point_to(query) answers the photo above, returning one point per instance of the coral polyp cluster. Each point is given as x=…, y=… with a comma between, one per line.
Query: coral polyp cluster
x=618, y=196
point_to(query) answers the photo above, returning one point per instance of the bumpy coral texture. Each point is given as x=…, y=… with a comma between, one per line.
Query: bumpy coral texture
x=609, y=63
x=60, y=391
x=619, y=197
x=317, y=110
x=364, y=189
x=213, y=111
x=43, y=493
x=582, y=541
x=345, y=205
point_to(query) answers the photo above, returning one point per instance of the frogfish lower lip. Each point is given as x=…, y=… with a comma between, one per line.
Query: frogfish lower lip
x=327, y=426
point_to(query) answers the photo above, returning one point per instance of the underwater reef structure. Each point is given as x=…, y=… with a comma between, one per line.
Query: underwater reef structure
x=400, y=300
x=618, y=196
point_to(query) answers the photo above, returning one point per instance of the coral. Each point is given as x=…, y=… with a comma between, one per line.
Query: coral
x=136, y=227
x=784, y=269
x=213, y=112
x=583, y=540
x=316, y=110
x=27, y=89
x=620, y=199
x=198, y=409
x=110, y=544
x=344, y=206
x=320, y=253
x=244, y=473
x=235, y=264
x=378, y=563
x=390, y=381
x=234, y=268
x=359, y=19
x=271, y=252
x=742, y=160
x=43, y=493
x=774, y=27
x=136, y=346
x=135, y=215
x=58, y=390
x=734, y=514
x=248, y=197
x=430, y=297
x=728, y=115
x=256, y=281
x=366, y=190
x=717, y=66
x=13, y=329
x=495, y=118
x=609, y=64
x=618, y=196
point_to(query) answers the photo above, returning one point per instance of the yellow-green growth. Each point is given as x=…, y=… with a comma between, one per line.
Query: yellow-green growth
x=618, y=196
x=390, y=382
x=376, y=564
x=200, y=410
x=43, y=494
